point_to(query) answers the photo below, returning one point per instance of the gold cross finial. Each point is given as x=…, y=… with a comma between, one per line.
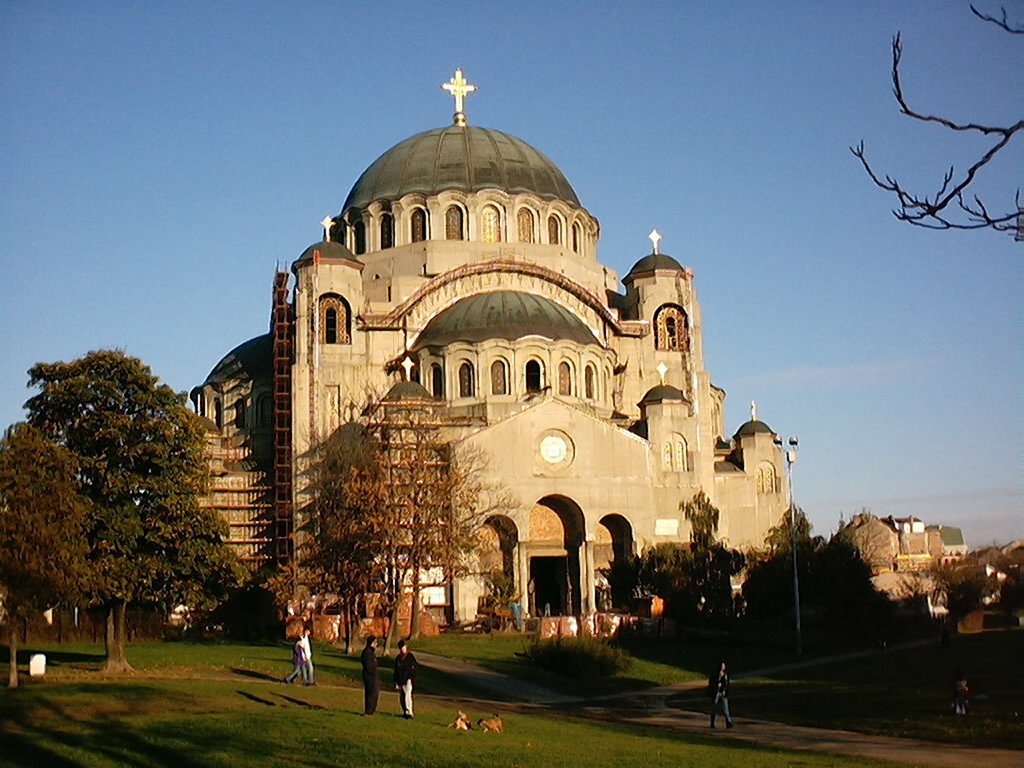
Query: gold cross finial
x=459, y=88
x=327, y=223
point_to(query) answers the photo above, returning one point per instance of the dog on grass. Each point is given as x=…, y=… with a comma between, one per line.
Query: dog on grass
x=492, y=724
x=461, y=723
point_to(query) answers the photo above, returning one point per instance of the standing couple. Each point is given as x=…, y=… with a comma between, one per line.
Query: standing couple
x=405, y=675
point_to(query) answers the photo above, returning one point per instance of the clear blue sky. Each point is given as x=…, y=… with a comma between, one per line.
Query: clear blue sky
x=160, y=160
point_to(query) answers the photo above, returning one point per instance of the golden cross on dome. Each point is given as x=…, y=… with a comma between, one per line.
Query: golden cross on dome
x=459, y=88
x=327, y=223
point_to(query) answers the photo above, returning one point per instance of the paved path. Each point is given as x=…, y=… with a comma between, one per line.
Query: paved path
x=648, y=708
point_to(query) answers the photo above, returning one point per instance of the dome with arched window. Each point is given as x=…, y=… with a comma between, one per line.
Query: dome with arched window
x=464, y=158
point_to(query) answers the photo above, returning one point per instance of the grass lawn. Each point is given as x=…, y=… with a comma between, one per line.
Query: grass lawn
x=899, y=693
x=186, y=723
x=655, y=662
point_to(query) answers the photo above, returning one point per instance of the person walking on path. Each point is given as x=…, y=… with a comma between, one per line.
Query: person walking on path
x=307, y=667
x=405, y=675
x=961, y=690
x=371, y=683
x=718, y=689
x=298, y=660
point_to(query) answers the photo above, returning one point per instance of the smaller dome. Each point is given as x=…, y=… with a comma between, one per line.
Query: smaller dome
x=652, y=262
x=328, y=250
x=503, y=315
x=663, y=392
x=407, y=390
x=754, y=428
x=252, y=359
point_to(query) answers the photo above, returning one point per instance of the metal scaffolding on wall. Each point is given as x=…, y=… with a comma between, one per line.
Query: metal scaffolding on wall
x=282, y=330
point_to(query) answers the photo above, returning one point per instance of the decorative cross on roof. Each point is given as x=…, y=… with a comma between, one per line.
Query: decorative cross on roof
x=655, y=239
x=326, y=224
x=459, y=88
x=662, y=370
x=753, y=410
x=408, y=365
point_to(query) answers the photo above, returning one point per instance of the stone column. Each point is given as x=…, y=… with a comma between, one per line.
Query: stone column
x=523, y=576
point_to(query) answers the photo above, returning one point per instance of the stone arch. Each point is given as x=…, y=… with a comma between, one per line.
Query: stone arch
x=557, y=532
x=613, y=543
x=499, y=537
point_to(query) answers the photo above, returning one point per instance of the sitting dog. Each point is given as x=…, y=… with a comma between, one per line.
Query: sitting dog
x=492, y=724
x=461, y=723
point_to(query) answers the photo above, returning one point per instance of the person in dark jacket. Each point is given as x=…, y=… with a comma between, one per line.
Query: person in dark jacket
x=405, y=675
x=718, y=690
x=371, y=683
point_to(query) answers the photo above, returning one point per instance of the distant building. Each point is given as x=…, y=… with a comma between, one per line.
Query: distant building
x=903, y=544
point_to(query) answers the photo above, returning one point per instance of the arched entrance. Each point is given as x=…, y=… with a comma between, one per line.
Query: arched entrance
x=554, y=574
x=497, y=552
x=613, y=544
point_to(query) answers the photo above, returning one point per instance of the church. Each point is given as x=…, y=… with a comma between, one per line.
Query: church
x=462, y=272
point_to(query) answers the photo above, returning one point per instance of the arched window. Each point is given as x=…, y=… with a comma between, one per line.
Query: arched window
x=766, y=479
x=264, y=410
x=387, y=231
x=524, y=223
x=499, y=378
x=453, y=226
x=334, y=320
x=576, y=237
x=466, y=383
x=564, y=378
x=490, y=225
x=589, y=380
x=534, y=376
x=240, y=413
x=554, y=230
x=671, y=329
x=674, y=455
x=359, y=235
x=418, y=225
x=437, y=381
x=218, y=413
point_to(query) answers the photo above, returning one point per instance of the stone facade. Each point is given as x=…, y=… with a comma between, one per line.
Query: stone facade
x=593, y=403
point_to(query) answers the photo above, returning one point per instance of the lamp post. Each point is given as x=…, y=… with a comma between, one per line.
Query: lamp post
x=791, y=454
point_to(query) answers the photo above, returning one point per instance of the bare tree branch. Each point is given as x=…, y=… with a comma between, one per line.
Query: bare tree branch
x=1001, y=23
x=936, y=211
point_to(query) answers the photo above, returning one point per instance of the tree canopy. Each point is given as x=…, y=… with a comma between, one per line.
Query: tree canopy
x=142, y=468
x=42, y=517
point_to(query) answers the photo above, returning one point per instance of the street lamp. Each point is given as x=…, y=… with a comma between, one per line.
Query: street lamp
x=790, y=461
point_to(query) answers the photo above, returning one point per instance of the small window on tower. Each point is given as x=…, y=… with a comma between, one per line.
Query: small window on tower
x=554, y=230
x=359, y=234
x=466, y=387
x=589, y=377
x=387, y=231
x=437, y=381
x=499, y=378
x=524, y=222
x=576, y=237
x=453, y=223
x=564, y=378
x=490, y=225
x=418, y=222
x=534, y=376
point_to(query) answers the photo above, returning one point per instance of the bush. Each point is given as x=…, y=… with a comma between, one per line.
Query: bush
x=579, y=657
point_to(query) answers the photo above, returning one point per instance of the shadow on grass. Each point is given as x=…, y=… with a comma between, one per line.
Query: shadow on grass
x=252, y=673
x=254, y=698
x=299, y=702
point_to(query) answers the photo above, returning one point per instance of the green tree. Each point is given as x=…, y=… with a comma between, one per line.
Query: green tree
x=142, y=467
x=711, y=565
x=42, y=538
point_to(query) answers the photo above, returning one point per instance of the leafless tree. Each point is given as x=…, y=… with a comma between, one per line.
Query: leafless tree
x=954, y=205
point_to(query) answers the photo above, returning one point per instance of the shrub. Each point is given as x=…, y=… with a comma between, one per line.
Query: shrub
x=579, y=657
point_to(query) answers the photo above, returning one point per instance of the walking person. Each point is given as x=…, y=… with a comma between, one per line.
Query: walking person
x=961, y=690
x=298, y=660
x=405, y=674
x=718, y=689
x=307, y=667
x=371, y=683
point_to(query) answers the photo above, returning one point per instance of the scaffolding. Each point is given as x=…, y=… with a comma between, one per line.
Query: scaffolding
x=282, y=322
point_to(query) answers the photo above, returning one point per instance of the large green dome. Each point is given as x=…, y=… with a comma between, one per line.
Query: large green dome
x=503, y=315
x=464, y=158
